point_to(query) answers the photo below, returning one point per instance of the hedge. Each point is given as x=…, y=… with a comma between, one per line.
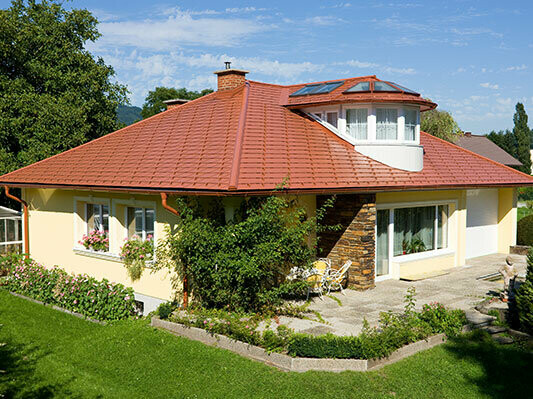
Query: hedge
x=100, y=300
x=524, y=234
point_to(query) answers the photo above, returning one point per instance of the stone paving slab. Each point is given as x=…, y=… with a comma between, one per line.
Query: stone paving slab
x=458, y=289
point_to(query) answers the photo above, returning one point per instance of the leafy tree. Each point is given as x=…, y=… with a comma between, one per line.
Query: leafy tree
x=521, y=133
x=54, y=94
x=505, y=140
x=153, y=103
x=440, y=124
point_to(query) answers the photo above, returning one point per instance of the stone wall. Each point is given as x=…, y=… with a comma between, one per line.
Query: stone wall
x=355, y=241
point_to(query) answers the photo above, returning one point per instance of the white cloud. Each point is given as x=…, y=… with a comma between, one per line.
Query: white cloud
x=244, y=9
x=323, y=20
x=516, y=68
x=490, y=86
x=399, y=71
x=178, y=30
x=475, y=31
x=359, y=64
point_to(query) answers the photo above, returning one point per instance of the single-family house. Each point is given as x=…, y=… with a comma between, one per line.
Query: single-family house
x=409, y=203
x=483, y=146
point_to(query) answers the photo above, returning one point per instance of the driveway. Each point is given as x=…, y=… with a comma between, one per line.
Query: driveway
x=460, y=289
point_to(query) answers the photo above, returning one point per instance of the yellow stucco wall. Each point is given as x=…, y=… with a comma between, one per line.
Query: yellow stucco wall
x=55, y=229
x=507, y=218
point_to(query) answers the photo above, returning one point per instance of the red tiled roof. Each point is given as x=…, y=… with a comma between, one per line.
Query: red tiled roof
x=245, y=140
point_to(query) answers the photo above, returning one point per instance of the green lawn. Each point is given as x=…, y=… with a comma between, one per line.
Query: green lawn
x=52, y=354
x=523, y=212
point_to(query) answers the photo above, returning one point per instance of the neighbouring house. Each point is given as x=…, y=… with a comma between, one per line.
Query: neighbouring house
x=410, y=204
x=483, y=146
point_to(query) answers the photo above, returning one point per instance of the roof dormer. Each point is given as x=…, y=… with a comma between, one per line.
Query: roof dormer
x=380, y=118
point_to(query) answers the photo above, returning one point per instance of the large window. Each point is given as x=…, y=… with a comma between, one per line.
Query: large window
x=410, y=124
x=420, y=229
x=356, y=123
x=97, y=217
x=140, y=222
x=387, y=124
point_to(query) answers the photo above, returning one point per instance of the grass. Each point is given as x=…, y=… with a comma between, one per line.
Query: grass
x=51, y=354
x=523, y=212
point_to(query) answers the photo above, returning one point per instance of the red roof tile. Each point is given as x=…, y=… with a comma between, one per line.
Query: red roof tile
x=193, y=148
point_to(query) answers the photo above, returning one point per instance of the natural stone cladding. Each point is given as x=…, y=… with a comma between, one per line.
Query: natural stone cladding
x=355, y=241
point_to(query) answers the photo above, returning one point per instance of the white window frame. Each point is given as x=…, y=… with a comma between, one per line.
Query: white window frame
x=100, y=215
x=448, y=250
x=80, y=221
x=127, y=221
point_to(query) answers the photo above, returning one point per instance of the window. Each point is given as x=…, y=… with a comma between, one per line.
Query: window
x=382, y=86
x=356, y=123
x=318, y=115
x=317, y=88
x=361, y=86
x=387, y=124
x=97, y=217
x=332, y=118
x=420, y=229
x=140, y=222
x=410, y=124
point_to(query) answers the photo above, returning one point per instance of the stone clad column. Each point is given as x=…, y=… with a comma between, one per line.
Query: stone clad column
x=355, y=241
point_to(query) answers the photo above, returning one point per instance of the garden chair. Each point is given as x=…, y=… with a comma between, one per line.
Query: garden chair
x=336, y=277
x=318, y=276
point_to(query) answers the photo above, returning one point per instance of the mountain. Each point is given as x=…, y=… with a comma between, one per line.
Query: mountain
x=128, y=114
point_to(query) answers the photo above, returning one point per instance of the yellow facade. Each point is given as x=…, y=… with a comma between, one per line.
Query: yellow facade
x=56, y=224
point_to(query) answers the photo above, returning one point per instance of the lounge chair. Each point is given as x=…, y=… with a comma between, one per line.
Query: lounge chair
x=336, y=277
x=318, y=276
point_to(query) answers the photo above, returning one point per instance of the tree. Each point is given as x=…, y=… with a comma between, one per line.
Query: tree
x=440, y=124
x=54, y=95
x=153, y=103
x=521, y=133
x=505, y=140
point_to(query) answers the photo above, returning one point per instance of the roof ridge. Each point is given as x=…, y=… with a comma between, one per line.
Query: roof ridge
x=236, y=163
x=478, y=155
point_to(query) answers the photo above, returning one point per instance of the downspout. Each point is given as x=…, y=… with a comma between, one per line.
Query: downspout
x=26, y=229
x=164, y=197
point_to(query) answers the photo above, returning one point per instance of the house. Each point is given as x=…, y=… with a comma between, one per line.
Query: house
x=409, y=204
x=483, y=146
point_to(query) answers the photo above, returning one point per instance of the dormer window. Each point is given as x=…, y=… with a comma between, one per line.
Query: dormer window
x=386, y=124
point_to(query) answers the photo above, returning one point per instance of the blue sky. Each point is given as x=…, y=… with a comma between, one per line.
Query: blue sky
x=472, y=57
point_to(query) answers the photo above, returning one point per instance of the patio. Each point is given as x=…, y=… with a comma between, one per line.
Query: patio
x=460, y=289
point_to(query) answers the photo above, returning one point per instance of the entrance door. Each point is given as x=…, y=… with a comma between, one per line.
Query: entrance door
x=382, y=244
x=481, y=222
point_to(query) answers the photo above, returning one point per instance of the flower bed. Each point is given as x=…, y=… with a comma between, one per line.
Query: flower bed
x=100, y=300
x=395, y=330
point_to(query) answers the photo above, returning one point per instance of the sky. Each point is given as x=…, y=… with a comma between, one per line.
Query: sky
x=474, y=58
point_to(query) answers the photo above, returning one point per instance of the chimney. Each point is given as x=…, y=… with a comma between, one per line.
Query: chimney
x=175, y=102
x=468, y=134
x=230, y=78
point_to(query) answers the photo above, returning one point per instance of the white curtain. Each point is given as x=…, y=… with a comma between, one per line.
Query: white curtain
x=356, y=123
x=410, y=124
x=413, y=224
x=386, y=124
x=382, y=243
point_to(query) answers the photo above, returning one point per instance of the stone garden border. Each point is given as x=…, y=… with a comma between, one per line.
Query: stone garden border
x=289, y=363
x=58, y=308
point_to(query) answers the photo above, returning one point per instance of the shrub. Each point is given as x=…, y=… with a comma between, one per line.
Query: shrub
x=524, y=298
x=524, y=234
x=241, y=264
x=8, y=261
x=99, y=300
x=135, y=253
x=441, y=319
x=165, y=309
x=96, y=241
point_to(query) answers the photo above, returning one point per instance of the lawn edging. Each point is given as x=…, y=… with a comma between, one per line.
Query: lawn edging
x=289, y=363
x=58, y=308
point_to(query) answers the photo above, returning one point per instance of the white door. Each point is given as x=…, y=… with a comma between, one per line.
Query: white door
x=481, y=222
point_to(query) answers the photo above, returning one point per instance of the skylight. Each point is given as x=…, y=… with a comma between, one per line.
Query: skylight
x=382, y=86
x=361, y=86
x=405, y=89
x=317, y=88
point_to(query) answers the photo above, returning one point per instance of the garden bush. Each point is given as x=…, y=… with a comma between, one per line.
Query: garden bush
x=83, y=294
x=165, y=309
x=524, y=233
x=524, y=298
x=241, y=264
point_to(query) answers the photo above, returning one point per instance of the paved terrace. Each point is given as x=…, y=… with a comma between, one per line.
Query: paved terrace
x=459, y=288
